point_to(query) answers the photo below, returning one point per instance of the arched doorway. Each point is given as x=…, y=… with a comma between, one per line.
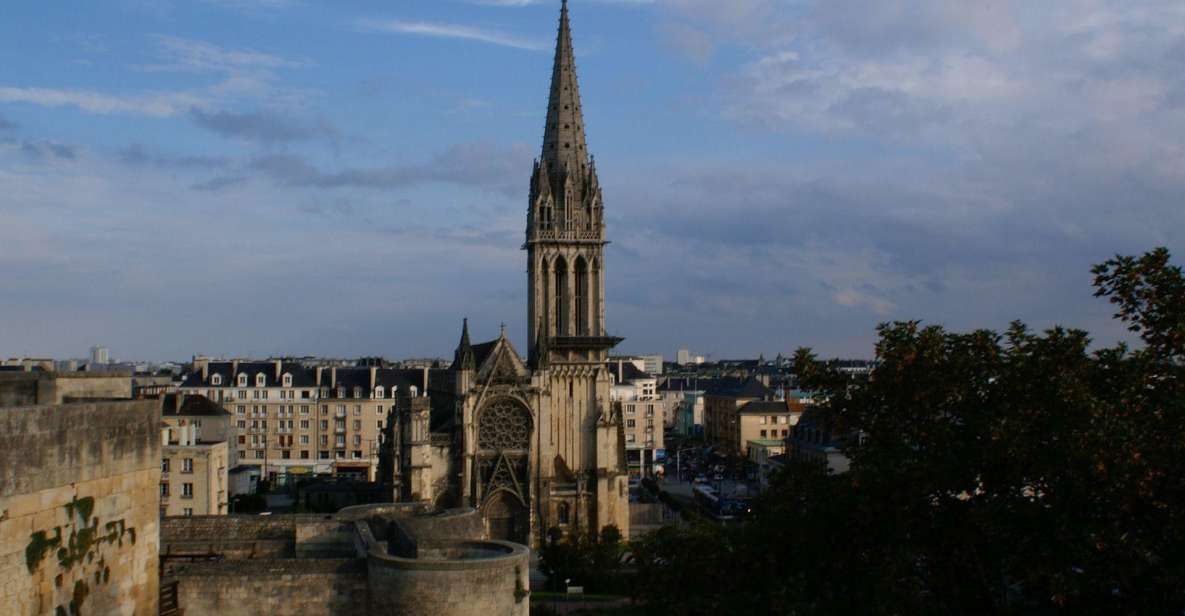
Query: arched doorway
x=504, y=428
x=506, y=518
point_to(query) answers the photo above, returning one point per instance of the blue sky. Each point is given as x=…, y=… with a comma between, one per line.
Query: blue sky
x=255, y=177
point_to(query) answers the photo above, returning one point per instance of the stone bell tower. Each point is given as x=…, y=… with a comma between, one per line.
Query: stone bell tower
x=580, y=442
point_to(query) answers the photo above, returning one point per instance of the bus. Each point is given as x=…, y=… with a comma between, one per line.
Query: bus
x=723, y=509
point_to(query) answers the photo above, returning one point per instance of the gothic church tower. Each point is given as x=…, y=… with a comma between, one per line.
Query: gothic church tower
x=538, y=444
x=579, y=434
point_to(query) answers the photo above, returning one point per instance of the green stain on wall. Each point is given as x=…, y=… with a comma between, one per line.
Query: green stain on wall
x=39, y=545
x=84, y=507
x=81, y=590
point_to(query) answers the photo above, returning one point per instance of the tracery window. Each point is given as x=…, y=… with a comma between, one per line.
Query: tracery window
x=504, y=425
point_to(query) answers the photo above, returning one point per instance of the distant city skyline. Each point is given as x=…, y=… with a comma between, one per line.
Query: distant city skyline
x=280, y=177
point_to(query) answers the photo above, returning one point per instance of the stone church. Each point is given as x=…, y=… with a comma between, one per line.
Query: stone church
x=531, y=443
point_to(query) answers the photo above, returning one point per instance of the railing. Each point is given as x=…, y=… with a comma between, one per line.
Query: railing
x=169, y=605
x=557, y=234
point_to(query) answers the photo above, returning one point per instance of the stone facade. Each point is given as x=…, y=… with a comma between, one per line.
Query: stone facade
x=193, y=479
x=78, y=508
x=290, y=420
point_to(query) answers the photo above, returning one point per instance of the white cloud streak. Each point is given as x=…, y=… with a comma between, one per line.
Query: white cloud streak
x=452, y=31
x=152, y=104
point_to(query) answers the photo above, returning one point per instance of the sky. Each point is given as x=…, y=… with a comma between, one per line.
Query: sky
x=304, y=177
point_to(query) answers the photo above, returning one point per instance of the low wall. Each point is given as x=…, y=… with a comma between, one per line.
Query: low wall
x=464, y=578
x=79, y=486
x=304, y=587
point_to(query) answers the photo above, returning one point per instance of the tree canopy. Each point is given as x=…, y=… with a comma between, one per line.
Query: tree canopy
x=1013, y=472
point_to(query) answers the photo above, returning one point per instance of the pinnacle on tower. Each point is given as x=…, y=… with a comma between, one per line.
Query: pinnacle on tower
x=564, y=147
x=463, y=359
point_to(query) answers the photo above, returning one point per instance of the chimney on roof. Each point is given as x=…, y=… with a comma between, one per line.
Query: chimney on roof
x=333, y=376
x=317, y=376
x=234, y=371
x=202, y=363
x=373, y=377
x=278, y=363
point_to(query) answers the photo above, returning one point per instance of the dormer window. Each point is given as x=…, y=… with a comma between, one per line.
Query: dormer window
x=341, y=392
x=357, y=392
x=242, y=380
x=216, y=379
x=260, y=380
x=378, y=391
x=287, y=380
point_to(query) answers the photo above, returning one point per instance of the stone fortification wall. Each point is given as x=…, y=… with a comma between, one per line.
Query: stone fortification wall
x=92, y=385
x=297, y=587
x=458, y=578
x=232, y=537
x=240, y=537
x=464, y=580
x=25, y=389
x=297, y=564
x=414, y=533
x=79, y=487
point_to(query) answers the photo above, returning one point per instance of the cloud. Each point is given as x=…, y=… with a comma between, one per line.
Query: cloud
x=521, y=3
x=220, y=183
x=137, y=154
x=453, y=31
x=261, y=127
x=480, y=164
x=189, y=55
x=5, y=124
x=695, y=44
x=48, y=149
x=158, y=104
x=254, y=5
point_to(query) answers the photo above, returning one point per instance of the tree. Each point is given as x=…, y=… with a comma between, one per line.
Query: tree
x=587, y=559
x=991, y=473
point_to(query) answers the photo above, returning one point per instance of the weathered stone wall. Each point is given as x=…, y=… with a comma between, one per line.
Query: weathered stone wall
x=239, y=537
x=25, y=389
x=448, y=583
x=78, y=509
x=92, y=385
x=301, y=587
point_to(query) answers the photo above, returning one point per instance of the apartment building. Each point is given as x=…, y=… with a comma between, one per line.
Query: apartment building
x=194, y=458
x=642, y=412
x=290, y=419
x=722, y=401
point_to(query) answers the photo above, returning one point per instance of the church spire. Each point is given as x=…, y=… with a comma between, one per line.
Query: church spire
x=463, y=359
x=564, y=147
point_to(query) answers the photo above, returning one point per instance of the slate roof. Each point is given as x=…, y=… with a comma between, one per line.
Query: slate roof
x=301, y=376
x=482, y=351
x=686, y=383
x=626, y=372
x=764, y=407
x=193, y=406
x=740, y=388
x=349, y=378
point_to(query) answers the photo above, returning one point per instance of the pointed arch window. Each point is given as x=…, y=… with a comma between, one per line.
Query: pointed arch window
x=581, y=297
x=561, y=304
